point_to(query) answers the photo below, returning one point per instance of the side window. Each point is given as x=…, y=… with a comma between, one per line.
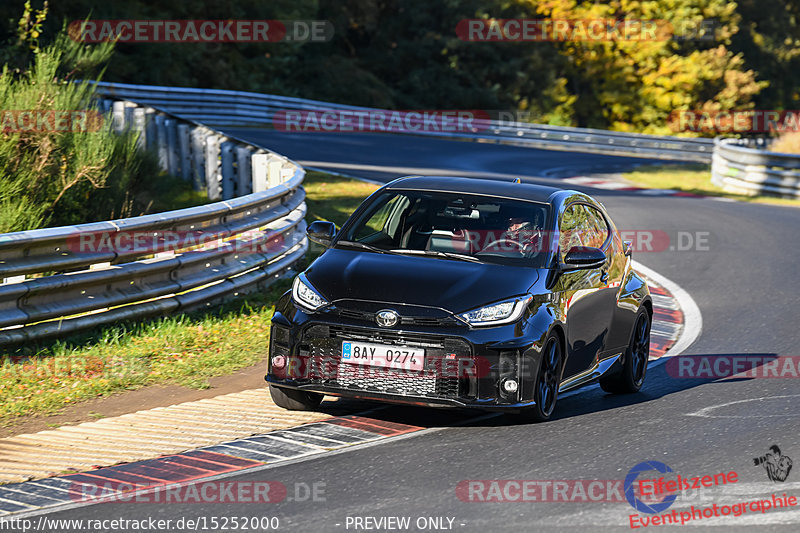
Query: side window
x=570, y=226
x=383, y=221
x=581, y=225
x=597, y=228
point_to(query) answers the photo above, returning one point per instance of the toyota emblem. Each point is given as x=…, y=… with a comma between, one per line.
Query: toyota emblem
x=386, y=318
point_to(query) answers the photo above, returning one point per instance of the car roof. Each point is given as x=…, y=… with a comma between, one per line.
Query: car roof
x=482, y=186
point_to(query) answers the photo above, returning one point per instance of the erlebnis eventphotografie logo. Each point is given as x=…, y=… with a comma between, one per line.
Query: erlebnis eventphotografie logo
x=776, y=464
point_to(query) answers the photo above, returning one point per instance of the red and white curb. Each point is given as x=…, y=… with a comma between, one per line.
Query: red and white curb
x=610, y=184
x=126, y=481
x=691, y=319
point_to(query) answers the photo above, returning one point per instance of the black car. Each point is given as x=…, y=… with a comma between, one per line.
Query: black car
x=449, y=291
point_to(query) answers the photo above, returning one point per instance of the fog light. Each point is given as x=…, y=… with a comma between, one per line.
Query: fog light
x=510, y=386
x=279, y=361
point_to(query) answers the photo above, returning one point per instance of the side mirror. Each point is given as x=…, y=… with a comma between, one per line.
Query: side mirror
x=321, y=232
x=584, y=257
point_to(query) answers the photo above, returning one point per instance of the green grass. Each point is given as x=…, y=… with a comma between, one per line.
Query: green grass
x=694, y=179
x=333, y=197
x=184, y=349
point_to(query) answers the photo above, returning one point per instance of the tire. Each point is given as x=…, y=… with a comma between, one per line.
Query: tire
x=634, y=368
x=548, y=379
x=295, y=400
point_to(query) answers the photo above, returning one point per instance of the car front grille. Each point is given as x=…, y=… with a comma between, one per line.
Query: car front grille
x=321, y=349
x=369, y=317
x=386, y=380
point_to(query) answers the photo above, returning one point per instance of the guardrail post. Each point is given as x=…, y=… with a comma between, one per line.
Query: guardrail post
x=212, y=167
x=227, y=170
x=161, y=141
x=138, y=125
x=105, y=105
x=151, y=134
x=260, y=167
x=128, y=114
x=198, y=139
x=274, y=174
x=171, y=129
x=185, y=151
x=244, y=170
x=118, y=116
x=287, y=170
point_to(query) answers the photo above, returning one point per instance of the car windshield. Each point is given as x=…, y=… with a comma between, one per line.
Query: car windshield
x=451, y=226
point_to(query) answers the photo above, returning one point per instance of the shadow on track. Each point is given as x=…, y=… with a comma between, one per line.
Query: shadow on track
x=658, y=384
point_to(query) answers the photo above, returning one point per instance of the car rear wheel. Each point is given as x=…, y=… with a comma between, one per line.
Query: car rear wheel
x=545, y=391
x=631, y=378
x=295, y=400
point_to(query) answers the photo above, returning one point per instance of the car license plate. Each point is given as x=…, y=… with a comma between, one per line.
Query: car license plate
x=400, y=357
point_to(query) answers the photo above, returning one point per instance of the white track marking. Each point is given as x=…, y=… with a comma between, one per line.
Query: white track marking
x=705, y=411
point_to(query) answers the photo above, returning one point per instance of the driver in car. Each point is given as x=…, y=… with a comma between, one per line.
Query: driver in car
x=524, y=234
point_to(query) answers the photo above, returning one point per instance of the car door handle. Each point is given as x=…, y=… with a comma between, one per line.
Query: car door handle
x=603, y=276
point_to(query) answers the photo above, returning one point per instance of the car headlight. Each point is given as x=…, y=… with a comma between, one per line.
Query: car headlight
x=305, y=295
x=499, y=313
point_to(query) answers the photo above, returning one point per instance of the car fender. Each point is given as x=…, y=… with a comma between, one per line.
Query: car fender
x=545, y=321
x=634, y=291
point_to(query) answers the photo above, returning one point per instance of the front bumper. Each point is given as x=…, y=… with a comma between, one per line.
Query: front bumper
x=464, y=367
x=403, y=399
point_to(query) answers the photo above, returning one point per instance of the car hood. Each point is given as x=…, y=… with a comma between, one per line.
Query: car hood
x=454, y=285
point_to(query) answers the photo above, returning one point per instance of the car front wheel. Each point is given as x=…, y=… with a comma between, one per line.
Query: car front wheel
x=545, y=391
x=295, y=400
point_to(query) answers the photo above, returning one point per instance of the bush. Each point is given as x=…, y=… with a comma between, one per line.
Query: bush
x=49, y=176
x=788, y=143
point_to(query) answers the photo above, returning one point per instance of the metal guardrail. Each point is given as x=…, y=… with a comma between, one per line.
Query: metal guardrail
x=222, y=108
x=222, y=164
x=738, y=167
x=57, y=281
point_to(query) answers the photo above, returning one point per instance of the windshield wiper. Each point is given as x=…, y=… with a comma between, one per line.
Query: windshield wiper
x=436, y=253
x=364, y=246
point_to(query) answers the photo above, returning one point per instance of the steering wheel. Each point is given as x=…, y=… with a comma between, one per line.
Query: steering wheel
x=504, y=242
x=528, y=248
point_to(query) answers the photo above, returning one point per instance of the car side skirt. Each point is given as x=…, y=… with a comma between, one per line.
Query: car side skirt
x=597, y=371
